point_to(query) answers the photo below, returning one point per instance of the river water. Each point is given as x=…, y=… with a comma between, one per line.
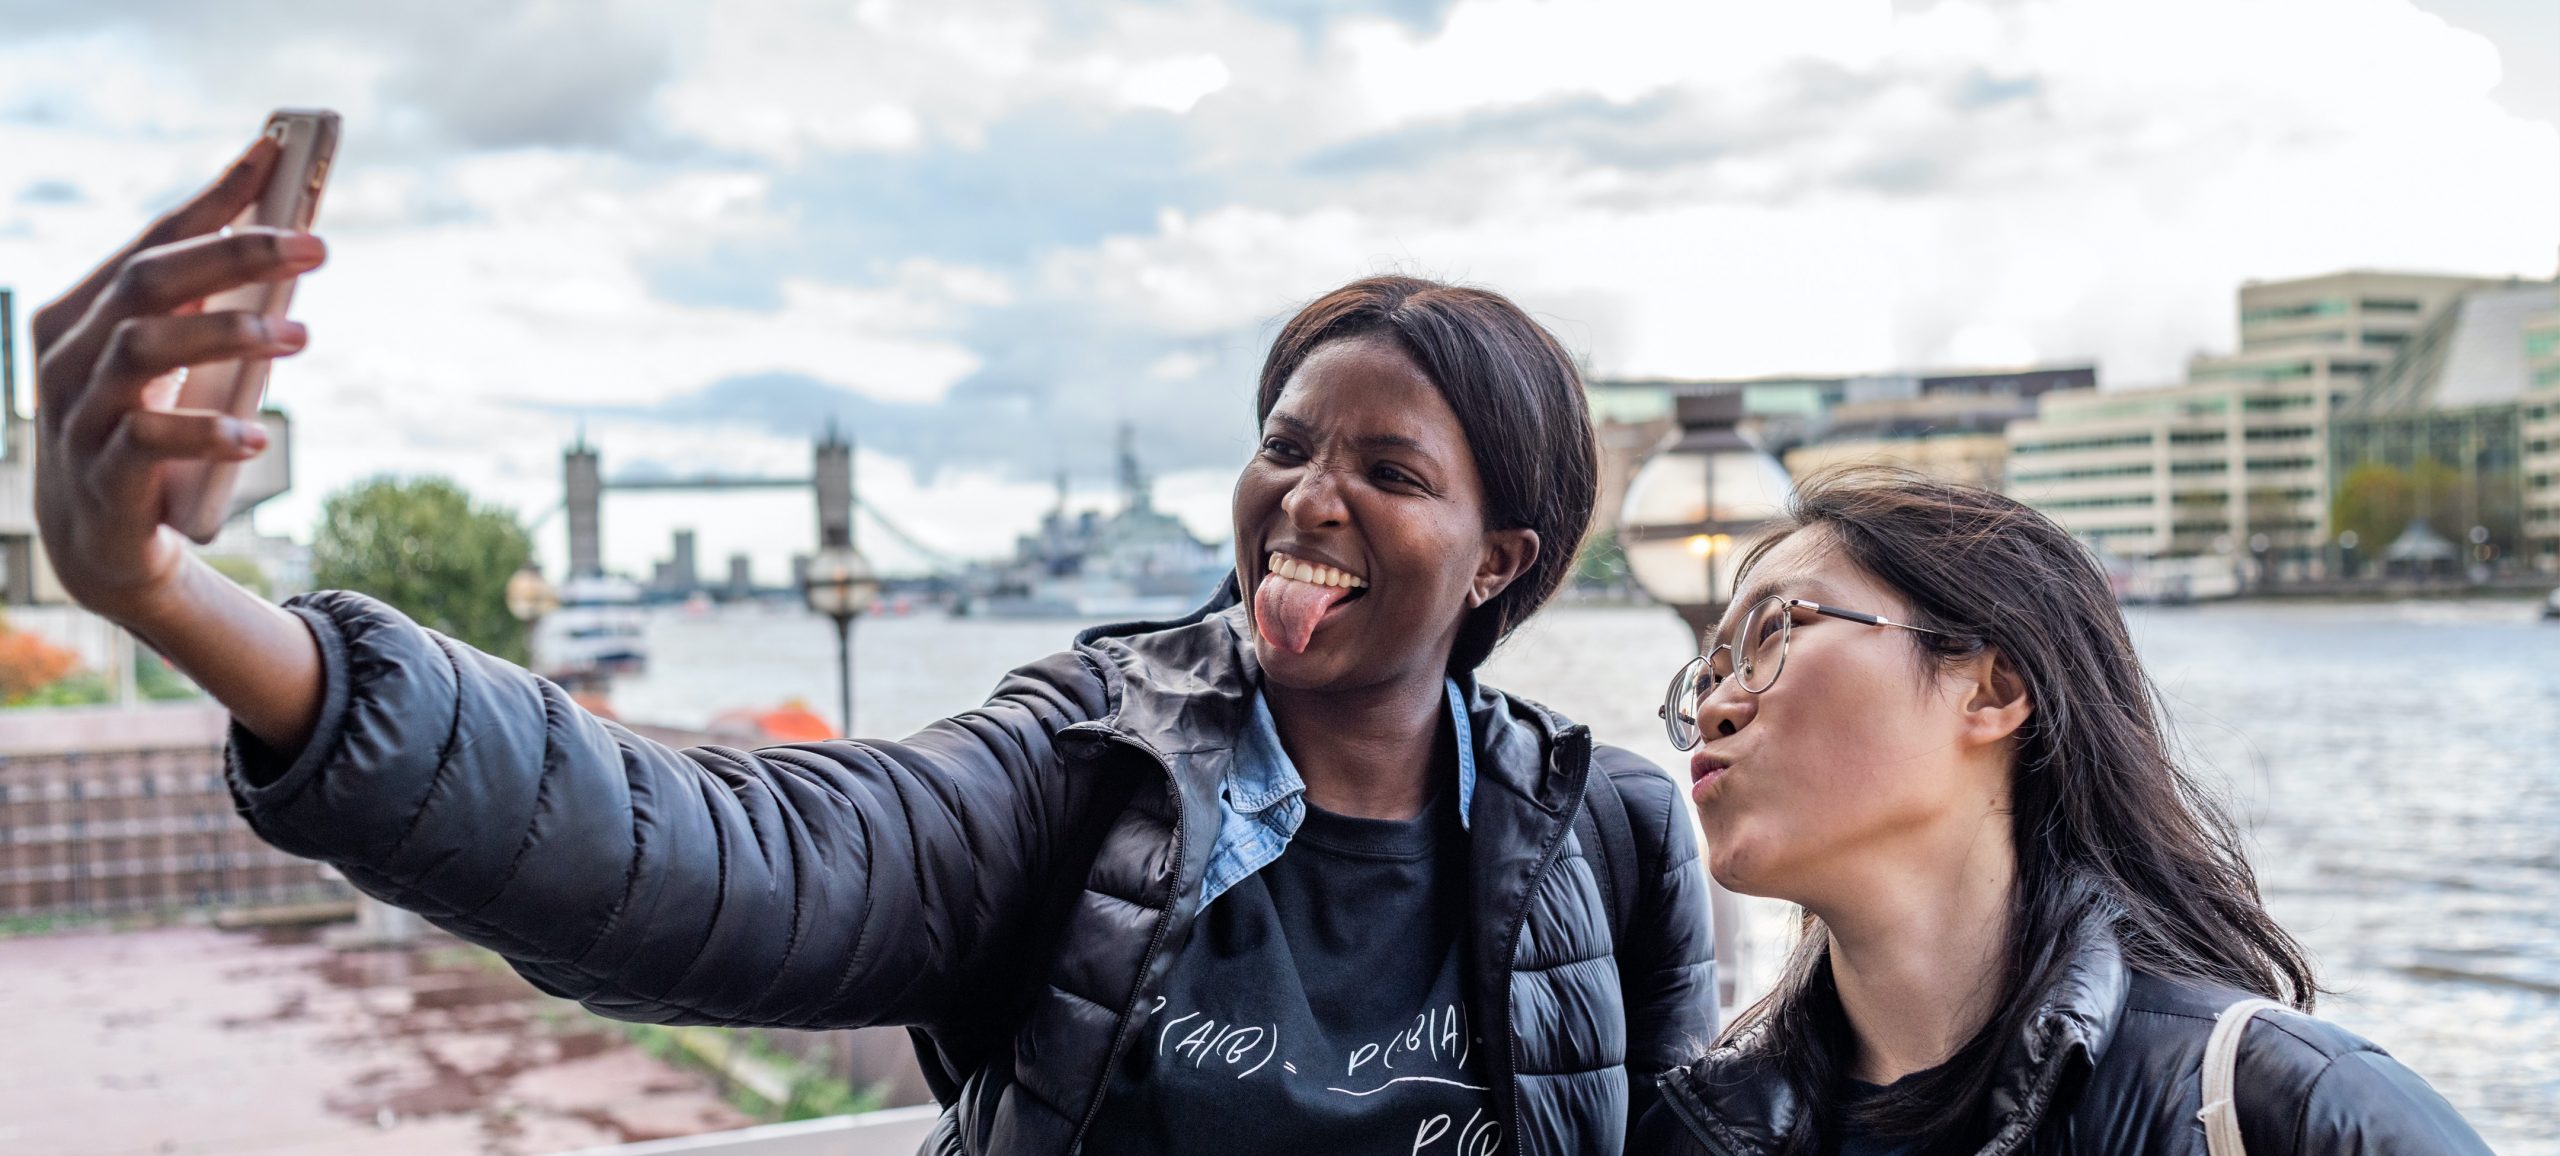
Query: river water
x=2397, y=767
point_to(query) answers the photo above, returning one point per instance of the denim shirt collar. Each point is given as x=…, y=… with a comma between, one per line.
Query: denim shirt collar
x=1263, y=800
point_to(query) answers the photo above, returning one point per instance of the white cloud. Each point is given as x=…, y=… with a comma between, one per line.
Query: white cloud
x=1236, y=266
x=1174, y=83
x=1497, y=52
x=1686, y=187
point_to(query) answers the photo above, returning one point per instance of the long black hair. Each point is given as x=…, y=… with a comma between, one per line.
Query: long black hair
x=2105, y=823
x=1518, y=397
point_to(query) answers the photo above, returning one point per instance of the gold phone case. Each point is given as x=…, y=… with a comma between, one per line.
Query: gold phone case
x=199, y=495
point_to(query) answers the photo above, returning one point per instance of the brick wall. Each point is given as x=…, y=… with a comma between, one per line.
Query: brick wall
x=102, y=832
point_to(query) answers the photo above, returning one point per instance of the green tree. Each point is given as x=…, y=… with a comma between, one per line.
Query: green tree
x=422, y=545
x=2379, y=501
x=2374, y=500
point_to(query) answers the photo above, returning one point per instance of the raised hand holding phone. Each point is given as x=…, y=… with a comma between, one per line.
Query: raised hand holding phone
x=116, y=445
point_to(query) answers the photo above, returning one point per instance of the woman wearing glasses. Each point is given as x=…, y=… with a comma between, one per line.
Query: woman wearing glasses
x=1924, y=722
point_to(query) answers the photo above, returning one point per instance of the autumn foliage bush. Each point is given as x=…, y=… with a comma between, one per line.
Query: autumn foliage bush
x=29, y=664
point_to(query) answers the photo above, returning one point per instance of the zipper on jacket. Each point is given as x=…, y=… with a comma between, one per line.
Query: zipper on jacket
x=1511, y=946
x=1692, y=1115
x=1155, y=943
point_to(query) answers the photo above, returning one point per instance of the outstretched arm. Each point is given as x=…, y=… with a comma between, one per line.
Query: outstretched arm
x=822, y=885
x=831, y=884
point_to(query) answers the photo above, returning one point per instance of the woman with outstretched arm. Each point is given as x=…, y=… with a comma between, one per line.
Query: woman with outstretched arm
x=1279, y=876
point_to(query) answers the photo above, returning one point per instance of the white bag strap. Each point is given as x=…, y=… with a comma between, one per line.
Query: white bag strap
x=2221, y=1076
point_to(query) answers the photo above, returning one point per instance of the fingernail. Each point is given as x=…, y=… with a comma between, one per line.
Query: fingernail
x=284, y=334
x=301, y=250
x=248, y=435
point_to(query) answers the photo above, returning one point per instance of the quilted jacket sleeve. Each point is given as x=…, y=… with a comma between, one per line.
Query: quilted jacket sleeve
x=1671, y=1014
x=821, y=885
x=2340, y=1096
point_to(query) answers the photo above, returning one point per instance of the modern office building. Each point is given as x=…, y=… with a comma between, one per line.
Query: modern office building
x=2333, y=373
x=2349, y=325
x=2203, y=468
x=2460, y=469
x=2540, y=432
x=2447, y=419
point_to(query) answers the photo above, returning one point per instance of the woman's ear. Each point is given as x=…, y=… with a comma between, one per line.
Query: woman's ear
x=1508, y=554
x=1995, y=701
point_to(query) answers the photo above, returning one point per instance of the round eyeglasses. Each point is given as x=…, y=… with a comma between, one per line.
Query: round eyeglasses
x=1755, y=655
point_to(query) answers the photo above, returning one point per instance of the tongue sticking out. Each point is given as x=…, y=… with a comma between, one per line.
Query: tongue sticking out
x=1286, y=610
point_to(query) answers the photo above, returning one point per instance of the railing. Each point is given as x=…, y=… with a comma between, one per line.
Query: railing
x=893, y=1132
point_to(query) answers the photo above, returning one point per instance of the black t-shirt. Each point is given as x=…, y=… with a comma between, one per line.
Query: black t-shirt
x=1851, y=1140
x=1856, y=1141
x=1319, y=1006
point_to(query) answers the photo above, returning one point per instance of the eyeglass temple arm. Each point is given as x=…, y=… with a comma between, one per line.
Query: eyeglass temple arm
x=1855, y=616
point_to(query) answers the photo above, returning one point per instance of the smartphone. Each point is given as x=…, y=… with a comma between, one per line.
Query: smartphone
x=199, y=496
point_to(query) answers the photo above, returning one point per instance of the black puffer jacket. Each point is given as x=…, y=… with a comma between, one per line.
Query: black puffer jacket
x=2111, y=1065
x=1005, y=881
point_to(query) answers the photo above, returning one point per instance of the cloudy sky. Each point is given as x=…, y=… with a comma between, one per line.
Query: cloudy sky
x=983, y=234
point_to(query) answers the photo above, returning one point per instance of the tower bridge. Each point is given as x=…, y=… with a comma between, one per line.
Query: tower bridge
x=830, y=481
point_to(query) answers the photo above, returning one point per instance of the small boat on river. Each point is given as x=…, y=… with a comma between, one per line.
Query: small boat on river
x=597, y=633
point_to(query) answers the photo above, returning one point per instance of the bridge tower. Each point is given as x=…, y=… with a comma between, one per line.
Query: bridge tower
x=583, y=477
x=833, y=480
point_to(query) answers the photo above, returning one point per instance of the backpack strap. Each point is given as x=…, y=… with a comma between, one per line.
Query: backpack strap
x=1609, y=842
x=2221, y=1114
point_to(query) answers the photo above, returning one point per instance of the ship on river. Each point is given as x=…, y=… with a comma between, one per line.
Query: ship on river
x=1136, y=563
x=598, y=631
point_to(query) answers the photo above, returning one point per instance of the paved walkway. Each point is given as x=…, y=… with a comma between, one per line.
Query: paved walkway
x=189, y=1040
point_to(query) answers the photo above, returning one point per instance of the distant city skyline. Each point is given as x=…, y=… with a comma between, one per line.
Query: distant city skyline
x=983, y=234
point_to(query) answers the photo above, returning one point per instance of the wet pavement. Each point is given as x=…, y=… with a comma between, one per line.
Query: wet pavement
x=191, y=1040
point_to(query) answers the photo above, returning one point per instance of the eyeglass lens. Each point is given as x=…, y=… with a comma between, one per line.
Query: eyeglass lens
x=1680, y=706
x=1761, y=644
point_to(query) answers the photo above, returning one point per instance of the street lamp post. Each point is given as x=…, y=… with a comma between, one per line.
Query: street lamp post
x=1696, y=506
x=529, y=598
x=841, y=587
x=1691, y=511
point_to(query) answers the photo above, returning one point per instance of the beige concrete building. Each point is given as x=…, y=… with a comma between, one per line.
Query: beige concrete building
x=2353, y=323
x=2236, y=460
x=2202, y=468
x=2541, y=405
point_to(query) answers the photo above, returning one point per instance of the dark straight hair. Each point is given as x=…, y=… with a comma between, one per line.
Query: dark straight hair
x=1518, y=397
x=2105, y=823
